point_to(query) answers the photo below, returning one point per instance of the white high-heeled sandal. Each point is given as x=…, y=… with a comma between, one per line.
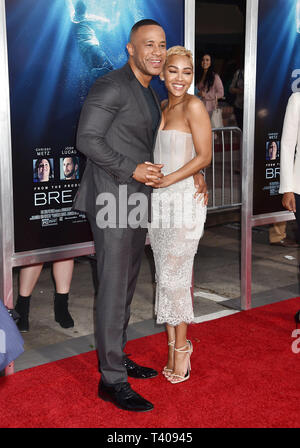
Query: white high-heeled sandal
x=175, y=378
x=166, y=371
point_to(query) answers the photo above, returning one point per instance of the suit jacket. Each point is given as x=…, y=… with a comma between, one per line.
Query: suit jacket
x=290, y=147
x=115, y=134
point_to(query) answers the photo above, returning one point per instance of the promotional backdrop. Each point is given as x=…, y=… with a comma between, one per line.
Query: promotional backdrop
x=278, y=76
x=56, y=50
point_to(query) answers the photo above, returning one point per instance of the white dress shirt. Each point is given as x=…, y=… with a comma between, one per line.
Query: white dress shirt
x=290, y=147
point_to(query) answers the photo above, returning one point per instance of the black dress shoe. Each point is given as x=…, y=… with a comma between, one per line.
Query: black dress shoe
x=124, y=397
x=136, y=371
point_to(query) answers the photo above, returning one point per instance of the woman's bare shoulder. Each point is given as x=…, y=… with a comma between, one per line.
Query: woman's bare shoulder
x=194, y=104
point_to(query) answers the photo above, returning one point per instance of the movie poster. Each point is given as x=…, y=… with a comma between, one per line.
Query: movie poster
x=56, y=50
x=278, y=76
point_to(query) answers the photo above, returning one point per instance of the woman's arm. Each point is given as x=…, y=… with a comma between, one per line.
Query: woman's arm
x=200, y=127
x=216, y=90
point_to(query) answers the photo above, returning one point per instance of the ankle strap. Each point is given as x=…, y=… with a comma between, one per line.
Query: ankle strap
x=188, y=344
x=181, y=349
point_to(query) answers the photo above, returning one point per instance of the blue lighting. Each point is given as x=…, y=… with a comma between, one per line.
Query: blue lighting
x=57, y=49
x=278, y=51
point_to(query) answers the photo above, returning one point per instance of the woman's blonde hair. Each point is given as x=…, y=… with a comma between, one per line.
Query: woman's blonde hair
x=178, y=50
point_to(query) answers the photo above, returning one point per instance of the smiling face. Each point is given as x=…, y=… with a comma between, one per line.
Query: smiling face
x=147, y=52
x=206, y=62
x=178, y=74
x=43, y=170
x=272, y=150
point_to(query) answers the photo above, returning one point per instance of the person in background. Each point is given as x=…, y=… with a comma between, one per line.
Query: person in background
x=237, y=88
x=278, y=236
x=29, y=275
x=209, y=87
x=278, y=230
x=290, y=162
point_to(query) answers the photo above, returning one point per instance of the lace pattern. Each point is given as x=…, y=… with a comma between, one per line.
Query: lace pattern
x=175, y=231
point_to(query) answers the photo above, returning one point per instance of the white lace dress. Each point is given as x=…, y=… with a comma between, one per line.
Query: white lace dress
x=176, y=228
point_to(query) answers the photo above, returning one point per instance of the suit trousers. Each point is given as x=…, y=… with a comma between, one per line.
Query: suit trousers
x=119, y=254
x=297, y=214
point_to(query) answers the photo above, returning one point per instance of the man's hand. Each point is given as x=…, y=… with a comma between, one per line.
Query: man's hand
x=148, y=173
x=201, y=186
x=289, y=202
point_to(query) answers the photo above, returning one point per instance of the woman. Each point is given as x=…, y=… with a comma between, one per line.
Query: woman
x=210, y=86
x=42, y=170
x=272, y=151
x=184, y=147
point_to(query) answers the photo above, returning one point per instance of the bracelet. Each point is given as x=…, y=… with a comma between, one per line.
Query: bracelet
x=202, y=172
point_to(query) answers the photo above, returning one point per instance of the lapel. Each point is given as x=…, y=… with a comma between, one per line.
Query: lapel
x=142, y=103
x=159, y=108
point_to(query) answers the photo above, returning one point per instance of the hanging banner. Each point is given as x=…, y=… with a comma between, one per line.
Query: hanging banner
x=278, y=76
x=56, y=50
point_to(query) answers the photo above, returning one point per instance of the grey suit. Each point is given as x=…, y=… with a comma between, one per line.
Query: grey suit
x=115, y=133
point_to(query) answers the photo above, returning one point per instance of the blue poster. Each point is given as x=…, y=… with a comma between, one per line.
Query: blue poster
x=56, y=50
x=278, y=76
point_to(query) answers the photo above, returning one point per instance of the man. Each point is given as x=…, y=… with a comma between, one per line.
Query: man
x=290, y=161
x=117, y=131
x=89, y=46
x=237, y=88
x=70, y=167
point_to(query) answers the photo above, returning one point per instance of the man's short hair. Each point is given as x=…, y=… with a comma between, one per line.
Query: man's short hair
x=143, y=22
x=74, y=159
x=178, y=50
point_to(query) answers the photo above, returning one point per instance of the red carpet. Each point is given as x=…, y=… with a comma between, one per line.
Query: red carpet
x=244, y=374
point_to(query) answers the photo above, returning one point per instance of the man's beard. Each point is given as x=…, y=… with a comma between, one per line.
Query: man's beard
x=70, y=175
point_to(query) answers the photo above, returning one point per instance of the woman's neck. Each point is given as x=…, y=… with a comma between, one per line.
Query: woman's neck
x=174, y=101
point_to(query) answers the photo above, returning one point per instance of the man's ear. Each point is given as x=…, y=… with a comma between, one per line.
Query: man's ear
x=130, y=49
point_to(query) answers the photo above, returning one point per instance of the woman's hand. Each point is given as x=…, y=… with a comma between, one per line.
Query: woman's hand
x=201, y=186
x=163, y=182
x=148, y=172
